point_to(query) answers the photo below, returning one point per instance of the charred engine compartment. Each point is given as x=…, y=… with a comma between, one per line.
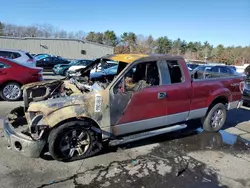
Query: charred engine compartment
x=61, y=88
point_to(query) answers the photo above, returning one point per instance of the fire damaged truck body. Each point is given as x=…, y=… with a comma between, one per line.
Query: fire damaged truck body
x=149, y=95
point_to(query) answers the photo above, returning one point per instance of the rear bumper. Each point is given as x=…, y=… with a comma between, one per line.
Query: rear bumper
x=22, y=143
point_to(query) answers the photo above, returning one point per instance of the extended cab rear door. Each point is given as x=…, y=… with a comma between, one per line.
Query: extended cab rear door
x=177, y=86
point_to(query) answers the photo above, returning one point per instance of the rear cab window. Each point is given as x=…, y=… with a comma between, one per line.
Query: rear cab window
x=171, y=72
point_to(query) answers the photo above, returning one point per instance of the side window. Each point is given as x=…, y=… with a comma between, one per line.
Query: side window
x=3, y=65
x=215, y=69
x=138, y=77
x=14, y=55
x=47, y=59
x=84, y=63
x=5, y=54
x=175, y=72
x=224, y=70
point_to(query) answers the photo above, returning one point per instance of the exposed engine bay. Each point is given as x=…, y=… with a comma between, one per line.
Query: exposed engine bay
x=81, y=83
x=60, y=88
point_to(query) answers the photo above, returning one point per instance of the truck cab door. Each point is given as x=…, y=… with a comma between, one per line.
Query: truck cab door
x=138, y=99
x=177, y=86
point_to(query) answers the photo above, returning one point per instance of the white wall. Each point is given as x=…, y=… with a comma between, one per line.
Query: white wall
x=241, y=69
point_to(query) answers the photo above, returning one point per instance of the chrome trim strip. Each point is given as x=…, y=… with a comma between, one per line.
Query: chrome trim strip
x=157, y=122
x=141, y=125
x=177, y=118
x=147, y=134
x=194, y=114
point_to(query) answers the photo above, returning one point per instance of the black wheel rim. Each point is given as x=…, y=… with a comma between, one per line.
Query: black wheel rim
x=75, y=142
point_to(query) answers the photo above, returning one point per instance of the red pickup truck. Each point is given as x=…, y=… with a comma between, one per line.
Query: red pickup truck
x=150, y=95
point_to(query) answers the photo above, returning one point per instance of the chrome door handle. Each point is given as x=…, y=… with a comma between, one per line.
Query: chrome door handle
x=162, y=95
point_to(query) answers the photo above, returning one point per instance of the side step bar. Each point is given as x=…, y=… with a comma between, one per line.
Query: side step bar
x=139, y=136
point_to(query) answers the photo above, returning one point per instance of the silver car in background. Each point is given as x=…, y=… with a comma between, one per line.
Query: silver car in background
x=20, y=56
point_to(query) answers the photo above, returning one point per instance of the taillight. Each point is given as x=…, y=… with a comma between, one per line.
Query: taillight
x=242, y=87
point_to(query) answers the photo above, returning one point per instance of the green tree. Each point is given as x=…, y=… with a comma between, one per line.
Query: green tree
x=91, y=36
x=129, y=39
x=98, y=38
x=150, y=43
x=110, y=38
x=183, y=47
x=163, y=45
x=176, y=48
x=191, y=47
x=1, y=29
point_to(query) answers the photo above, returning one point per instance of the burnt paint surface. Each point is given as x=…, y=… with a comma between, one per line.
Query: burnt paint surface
x=118, y=104
x=75, y=106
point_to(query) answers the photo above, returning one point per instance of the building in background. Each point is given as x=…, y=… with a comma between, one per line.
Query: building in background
x=67, y=48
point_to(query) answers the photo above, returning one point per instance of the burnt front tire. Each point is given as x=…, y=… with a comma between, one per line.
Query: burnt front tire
x=72, y=141
x=215, y=118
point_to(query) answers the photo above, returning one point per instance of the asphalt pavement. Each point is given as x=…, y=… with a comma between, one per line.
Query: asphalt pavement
x=187, y=159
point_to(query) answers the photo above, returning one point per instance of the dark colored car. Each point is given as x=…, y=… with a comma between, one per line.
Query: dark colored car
x=10, y=83
x=61, y=69
x=192, y=66
x=106, y=74
x=209, y=71
x=48, y=62
x=246, y=92
x=247, y=70
x=233, y=67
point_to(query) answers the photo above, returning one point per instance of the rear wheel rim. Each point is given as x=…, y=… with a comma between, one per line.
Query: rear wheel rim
x=11, y=91
x=75, y=142
x=217, y=118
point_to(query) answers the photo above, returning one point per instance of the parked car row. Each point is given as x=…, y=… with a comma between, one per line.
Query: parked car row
x=47, y=62
x=61, y=69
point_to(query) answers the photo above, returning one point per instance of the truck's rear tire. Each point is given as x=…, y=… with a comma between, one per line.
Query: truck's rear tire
x=72, y=141
x=215, y=118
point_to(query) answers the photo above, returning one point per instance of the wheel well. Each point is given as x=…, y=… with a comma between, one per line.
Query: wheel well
x=91, y=121
x=221, y=99
x=9, y=81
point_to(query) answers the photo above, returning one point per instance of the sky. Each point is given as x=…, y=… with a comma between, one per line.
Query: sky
x=224, y=22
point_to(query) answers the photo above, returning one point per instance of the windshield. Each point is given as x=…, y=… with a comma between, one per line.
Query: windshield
x=39, y=57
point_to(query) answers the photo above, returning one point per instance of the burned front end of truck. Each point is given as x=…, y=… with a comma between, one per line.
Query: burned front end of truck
x=49, y=104
x=71, y=117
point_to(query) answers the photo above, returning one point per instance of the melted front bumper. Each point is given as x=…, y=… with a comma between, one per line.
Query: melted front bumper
x=22, y=143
